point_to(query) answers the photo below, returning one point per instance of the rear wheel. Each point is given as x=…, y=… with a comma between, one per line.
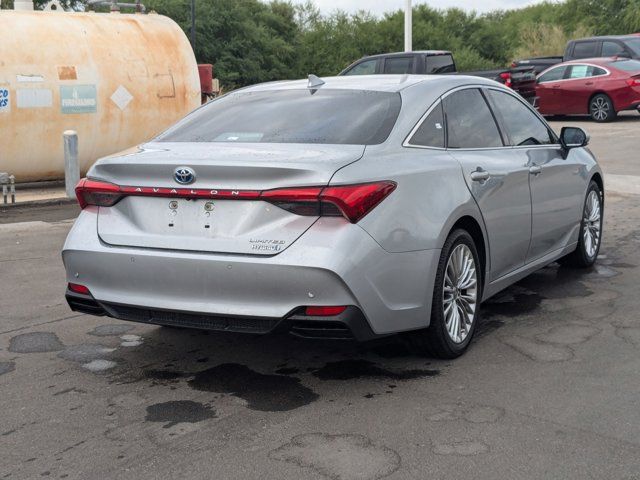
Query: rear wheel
x=456, y=299
x=601, y=108
x=586, y=252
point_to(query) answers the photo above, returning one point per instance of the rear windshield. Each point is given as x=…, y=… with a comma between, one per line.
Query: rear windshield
x=355, y=117
x=626, y=65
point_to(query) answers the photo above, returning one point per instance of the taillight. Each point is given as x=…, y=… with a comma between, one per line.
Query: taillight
x=633, y=82
x=301, y=201
x=101, y=194
x=77, y=288
x=506, y=77
x=351, y=201
x=355, y=201
x=323, y=311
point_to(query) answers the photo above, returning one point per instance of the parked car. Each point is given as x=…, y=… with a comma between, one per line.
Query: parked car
x=539, y=64
x=429, y=62
x=610, y=46
x=336, y=208
x=600, y=87
x=607, y=46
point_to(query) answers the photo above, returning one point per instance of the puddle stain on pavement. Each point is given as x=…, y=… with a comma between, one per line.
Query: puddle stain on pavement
x=6, y=367
x=111, y=330
x=357, y=368
x=179, y=411
x=262, y=392
x=339, y=457
x=35, y=342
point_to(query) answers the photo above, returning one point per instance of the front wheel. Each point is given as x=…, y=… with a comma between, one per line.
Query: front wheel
x=586, y=252
x=456, y=299
x=601, y=108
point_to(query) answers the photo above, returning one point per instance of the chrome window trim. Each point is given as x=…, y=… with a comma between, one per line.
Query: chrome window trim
x=577, y=78
x=407, y=142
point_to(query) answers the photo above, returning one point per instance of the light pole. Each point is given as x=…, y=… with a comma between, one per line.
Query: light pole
x=193, y=25
x=408, y=26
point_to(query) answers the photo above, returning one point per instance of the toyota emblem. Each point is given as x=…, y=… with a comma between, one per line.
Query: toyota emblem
x=184, y=175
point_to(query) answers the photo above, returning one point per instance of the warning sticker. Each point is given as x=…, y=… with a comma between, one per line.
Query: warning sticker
x=78, y=98
x=5, y=100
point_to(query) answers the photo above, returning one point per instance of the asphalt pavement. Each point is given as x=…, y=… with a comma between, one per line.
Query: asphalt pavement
x=550, y=388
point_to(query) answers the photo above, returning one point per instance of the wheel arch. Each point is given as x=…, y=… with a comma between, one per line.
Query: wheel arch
x=474, y=228
x=599, y=92
x=596, y=177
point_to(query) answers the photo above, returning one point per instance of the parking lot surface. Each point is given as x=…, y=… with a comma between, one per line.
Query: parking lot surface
x=549, y=389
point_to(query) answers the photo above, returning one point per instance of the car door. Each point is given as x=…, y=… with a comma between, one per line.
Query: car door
x=548, y=84
x=497, y=179
x=575, y=90
x=557, y=189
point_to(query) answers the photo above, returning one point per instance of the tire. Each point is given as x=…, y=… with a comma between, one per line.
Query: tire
x=601, y=108
x=585, y=254
x=459, y=249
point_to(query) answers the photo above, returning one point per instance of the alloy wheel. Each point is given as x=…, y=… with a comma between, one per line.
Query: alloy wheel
x=591, y=223
x=600, y=108
x=460, y=293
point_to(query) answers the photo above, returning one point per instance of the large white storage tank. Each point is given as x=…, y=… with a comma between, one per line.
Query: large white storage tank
x=117, y=79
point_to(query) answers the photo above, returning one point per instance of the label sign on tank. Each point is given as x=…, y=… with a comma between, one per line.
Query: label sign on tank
x=121, y=97
x=78, y=99
x=5, y=100
x=34, y=98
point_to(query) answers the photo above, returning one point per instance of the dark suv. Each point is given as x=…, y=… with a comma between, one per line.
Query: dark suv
x=612, y=46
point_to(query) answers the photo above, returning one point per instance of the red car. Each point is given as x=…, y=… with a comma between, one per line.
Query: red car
x=600, y=87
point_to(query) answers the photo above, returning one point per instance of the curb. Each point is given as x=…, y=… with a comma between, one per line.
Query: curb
x=38, y=203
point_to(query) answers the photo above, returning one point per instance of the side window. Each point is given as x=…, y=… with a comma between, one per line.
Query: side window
x=597, y=71
x=580, y=71
x=585, y=49
x=470, y=123
x=368, y=67
x=612, y=49
x=440, y=64
x=398, y=65
x=430, y=133
x=522, y=125
x=552, y=75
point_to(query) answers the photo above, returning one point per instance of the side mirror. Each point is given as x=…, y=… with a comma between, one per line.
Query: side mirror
x=573, y=137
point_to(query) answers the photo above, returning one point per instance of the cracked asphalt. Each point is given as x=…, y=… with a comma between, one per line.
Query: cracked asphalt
x=549, y=389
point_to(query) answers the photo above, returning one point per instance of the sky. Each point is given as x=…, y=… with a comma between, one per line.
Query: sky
x=379, y=7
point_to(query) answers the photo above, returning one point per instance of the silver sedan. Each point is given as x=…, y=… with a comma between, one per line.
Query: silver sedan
x=336, y=208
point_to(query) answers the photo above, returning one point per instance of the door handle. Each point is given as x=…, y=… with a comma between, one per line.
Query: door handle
x=589, y=83
x=535, y=170
x=480, y=175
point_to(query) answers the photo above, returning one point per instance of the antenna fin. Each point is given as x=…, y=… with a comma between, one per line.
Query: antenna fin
x=314, y=81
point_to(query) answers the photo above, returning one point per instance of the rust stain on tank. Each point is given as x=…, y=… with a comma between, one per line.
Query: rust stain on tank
x=66, y=72
x=142, y=66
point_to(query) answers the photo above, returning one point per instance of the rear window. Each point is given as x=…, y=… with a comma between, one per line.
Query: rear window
x=585, y=49
x=634, y=43
x=440, y=64
x=354, y=117
x=398, y=65
x=626, y=65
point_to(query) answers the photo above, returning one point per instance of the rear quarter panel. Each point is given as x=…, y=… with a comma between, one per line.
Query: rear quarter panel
x=430, y=197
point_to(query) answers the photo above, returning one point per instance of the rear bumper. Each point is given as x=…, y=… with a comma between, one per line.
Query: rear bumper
x=333, y=263
x=349, y=325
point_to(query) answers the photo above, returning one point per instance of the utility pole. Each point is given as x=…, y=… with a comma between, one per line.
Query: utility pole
x=193, y=25
x=408, y=26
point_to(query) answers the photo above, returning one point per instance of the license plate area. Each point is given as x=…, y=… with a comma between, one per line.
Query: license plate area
x=230, y=226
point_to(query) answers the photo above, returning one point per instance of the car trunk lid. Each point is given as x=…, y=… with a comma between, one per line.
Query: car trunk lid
x=229, y=217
